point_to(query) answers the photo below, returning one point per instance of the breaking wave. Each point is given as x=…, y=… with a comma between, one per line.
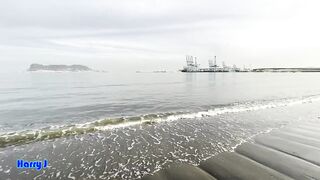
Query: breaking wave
x=29, y=136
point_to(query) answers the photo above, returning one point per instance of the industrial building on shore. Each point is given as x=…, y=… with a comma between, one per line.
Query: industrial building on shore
x=193, y=66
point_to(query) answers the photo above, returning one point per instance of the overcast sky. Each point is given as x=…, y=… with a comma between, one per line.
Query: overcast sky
x=157, y=34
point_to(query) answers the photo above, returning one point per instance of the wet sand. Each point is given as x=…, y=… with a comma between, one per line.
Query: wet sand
x=287, y=153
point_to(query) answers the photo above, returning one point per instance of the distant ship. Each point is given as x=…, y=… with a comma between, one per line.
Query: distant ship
x=193, y=66
x=160, y=71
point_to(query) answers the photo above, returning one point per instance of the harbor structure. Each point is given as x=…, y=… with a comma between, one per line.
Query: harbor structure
x=193, y=66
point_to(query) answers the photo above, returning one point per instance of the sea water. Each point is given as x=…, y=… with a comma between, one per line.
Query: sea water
x=125, y=125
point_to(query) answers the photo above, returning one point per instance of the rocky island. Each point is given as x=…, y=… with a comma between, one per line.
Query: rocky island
x=71, y=68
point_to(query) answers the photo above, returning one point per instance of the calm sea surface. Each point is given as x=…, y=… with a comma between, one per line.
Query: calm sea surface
x=124, y=125
x=38, y=100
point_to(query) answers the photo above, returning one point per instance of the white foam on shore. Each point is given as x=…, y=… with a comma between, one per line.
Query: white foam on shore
x=219, y=111
x=108, y=124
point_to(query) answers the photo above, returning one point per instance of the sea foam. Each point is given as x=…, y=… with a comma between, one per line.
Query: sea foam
x=52, y=132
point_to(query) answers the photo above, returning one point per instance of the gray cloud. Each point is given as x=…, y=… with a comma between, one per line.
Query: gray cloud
x=111, y=33
x=112, y=13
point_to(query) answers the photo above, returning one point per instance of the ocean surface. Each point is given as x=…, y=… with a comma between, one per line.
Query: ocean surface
x=92, y=125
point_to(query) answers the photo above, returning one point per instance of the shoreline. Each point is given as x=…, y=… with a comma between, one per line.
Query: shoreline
x=132, y=152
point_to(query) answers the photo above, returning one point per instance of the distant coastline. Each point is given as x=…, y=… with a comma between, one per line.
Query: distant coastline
x=286, y=70
x=68, y=68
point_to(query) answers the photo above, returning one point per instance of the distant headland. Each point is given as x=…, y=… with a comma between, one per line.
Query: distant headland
x=71, y=68
x=286, y=70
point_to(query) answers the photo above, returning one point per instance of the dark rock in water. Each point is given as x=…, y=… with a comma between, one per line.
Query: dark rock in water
x=73, y=68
